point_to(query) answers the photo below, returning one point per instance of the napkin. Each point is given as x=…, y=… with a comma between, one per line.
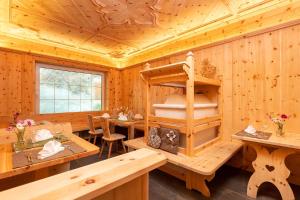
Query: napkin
x=42, y=134
x=105, y=115
x=138, y=116
x=123, y=118
x=50, y=148
x=251, y=130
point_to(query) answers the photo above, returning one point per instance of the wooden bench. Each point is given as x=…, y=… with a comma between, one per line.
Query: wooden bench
x=195, y=171
x=120, y=178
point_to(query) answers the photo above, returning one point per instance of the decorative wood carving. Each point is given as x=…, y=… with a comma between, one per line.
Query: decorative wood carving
x=67, y=27
x=120, y=12
x=208, y=70
x=100, y=27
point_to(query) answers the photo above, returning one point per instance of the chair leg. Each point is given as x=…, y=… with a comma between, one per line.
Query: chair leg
x=101, y=140
x=95, y=138
x=102, y=148
x=90, y=137
x=109, y=150
x=124, y=148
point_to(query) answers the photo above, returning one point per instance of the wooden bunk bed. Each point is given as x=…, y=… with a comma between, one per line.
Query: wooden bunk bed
x=195, y=164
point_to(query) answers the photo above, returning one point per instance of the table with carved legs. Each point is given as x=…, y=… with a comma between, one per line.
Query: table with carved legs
x=269, y=164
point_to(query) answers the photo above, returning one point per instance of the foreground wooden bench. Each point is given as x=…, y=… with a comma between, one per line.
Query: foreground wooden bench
x=195, y=171
x=120, y=178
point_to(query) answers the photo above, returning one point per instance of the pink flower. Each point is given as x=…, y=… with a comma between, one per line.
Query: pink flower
x=21, y=122
x=29, y=122
x=284, y=116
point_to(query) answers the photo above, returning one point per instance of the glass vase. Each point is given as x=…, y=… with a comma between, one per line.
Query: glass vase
x=279, y=131
x=20, y=144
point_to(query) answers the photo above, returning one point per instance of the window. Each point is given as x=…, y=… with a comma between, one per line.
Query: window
x=69, y=90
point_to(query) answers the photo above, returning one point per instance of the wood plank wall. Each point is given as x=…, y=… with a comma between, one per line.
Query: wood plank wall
x=260, y=75
x=17, y=87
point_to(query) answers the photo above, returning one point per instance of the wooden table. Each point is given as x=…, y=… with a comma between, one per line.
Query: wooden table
x=120, y=178
x=129, y=124
x=10, y=177
x=270, y=165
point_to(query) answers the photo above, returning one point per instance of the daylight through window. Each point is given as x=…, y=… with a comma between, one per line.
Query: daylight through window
x=66, y=90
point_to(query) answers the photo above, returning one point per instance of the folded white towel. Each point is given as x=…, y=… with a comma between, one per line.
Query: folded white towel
x=105, y=115
x=50, y=148
x=251, y=130
x=138, y=116
x=42, y=134
x=123, y=118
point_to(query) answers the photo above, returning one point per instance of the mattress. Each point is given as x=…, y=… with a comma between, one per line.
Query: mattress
x=175, y=107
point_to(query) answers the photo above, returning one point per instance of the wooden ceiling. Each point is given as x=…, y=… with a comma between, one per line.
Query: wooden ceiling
x=117, y=29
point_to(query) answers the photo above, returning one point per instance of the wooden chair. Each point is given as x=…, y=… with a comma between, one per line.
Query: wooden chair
x=109, y=138
x=93, y=132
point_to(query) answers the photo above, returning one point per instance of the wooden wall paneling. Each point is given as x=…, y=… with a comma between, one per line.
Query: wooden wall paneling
x=290, y=76
x=255, y=75
x=258, y=60
x=238, y=86
x=13, y=64
x=272, y=94
x=28, y=101
x=3, y=85
x=138, y=96
x=227, y=96
x=113, y=96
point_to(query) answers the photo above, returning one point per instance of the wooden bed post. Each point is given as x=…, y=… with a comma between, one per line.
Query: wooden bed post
x=190, y=104
x=147, y=105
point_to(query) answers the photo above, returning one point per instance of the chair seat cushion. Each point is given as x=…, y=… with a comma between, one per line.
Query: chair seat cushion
x=114, y=137
x=97, y=132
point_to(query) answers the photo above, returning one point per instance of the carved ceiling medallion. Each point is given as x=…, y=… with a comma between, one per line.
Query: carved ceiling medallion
x=119, y=12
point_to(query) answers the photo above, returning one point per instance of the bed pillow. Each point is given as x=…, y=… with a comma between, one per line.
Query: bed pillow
x=154, y=139
x=169, y=140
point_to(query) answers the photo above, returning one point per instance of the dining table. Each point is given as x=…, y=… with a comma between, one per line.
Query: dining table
x=129, y=124
x=269, y=165
x=12, y=175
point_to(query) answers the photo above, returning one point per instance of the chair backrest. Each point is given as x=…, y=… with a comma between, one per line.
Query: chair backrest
x=91, y=123
x=105, y=126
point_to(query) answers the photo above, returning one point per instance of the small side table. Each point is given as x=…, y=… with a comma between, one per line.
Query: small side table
x=269, y=165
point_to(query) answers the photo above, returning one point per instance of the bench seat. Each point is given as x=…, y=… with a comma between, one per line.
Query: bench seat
x=201, y=166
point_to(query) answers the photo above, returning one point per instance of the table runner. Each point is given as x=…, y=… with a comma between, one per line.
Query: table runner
x=259, y=135
x=20, y=158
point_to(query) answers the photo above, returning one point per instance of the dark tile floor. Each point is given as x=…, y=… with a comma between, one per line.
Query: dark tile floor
x=228, y=184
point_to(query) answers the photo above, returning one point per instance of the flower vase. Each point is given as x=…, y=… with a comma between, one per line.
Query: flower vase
x=20, y=144
x=279, y=131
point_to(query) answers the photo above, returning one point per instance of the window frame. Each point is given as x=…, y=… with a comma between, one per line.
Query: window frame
x=69, y=69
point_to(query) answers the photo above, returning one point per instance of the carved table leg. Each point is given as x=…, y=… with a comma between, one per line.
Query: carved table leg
x=270, y=167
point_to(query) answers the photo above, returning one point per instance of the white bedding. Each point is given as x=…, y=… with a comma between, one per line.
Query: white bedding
x=174, y=107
